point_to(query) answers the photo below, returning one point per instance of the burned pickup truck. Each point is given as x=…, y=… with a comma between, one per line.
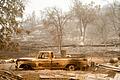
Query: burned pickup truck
x=46, y=60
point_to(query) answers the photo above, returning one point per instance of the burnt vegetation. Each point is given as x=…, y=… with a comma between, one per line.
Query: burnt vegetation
x=82, y=29
x=87, y=31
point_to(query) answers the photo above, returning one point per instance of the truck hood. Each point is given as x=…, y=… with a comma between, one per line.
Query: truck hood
x=26, y=59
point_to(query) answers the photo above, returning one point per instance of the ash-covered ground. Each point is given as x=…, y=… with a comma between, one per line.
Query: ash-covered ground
x=92, y=74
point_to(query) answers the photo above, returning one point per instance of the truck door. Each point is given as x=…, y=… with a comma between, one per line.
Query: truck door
x=44, y=61
x=57, y=64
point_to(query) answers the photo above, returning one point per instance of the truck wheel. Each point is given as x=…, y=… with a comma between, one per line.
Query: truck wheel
x=27, y=67
x=71, y=67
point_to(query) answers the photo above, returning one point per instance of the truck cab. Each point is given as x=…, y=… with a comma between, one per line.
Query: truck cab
x=45, y=55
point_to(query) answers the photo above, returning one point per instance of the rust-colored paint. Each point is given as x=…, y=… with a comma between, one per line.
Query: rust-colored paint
x=49, y=62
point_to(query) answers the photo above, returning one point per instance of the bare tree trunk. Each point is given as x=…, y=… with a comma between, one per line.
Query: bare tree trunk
x=83, y=32
x=60, y=41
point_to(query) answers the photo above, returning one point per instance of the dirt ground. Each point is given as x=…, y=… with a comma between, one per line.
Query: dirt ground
x=91, y=74
x=60, y=74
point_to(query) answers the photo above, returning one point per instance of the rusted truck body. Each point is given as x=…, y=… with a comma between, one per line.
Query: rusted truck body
x=46, y=60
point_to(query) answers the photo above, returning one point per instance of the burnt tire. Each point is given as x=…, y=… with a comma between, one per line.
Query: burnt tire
x=71, y=67
x=27, y=67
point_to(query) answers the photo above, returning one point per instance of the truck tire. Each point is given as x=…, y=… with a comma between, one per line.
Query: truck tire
x=71, y=67
x=27, y=67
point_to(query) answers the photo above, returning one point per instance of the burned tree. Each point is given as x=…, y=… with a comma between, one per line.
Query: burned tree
x=101, y=23
x=10, y=10
x=85, y=14
x=113, y=13
x=55, y=20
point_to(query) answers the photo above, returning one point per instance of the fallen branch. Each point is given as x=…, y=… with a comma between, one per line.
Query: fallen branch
x=109, y=67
